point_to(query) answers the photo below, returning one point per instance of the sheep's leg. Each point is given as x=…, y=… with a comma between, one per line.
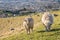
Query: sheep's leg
x=46, y=28
x=28, y=30
x=32, y=29
x=49, y=27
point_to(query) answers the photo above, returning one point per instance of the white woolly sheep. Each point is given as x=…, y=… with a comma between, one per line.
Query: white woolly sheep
x=28, y=23
x=47, y=20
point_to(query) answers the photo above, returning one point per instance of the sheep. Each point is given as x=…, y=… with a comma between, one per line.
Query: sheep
x=28, y=23
x=47, y=20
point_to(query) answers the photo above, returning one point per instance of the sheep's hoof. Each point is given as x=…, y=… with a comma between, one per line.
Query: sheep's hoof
x=28, y=33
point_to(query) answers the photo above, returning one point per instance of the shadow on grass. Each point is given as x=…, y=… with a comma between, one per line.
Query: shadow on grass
x=41, y=31
x=57, y=29
x=52, y=30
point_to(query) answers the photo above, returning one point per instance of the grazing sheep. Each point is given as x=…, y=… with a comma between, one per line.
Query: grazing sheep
x=28, y=23
x=47, y=20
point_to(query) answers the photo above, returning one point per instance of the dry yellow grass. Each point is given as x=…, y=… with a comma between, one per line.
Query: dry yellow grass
x=16, y=22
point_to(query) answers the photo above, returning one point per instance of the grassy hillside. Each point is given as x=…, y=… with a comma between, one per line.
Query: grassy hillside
x=15, y=23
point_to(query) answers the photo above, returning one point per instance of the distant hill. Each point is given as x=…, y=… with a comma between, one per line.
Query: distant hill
x=20, y=4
